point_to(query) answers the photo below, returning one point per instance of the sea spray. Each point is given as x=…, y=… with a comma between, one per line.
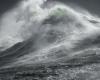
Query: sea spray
x=54, y=28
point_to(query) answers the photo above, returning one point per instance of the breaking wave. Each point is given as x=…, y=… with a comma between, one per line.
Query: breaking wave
x=36, y=31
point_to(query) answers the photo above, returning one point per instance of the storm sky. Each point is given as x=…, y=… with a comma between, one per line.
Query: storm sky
x=5, y=5
x=91, y=5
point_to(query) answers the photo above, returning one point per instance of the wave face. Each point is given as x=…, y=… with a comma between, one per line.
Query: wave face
x=48, y=32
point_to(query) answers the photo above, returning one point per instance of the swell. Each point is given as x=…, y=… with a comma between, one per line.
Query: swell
x=16, y=51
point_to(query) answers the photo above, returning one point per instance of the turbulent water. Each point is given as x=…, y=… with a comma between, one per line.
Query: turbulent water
x=37, y=32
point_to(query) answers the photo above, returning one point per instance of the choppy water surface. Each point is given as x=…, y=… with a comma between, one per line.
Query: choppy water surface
x=49, y=40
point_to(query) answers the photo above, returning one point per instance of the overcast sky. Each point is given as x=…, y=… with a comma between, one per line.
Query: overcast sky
x=7, y=4
x=91, y=5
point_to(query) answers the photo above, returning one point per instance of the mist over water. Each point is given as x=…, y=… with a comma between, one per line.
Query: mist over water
x=46, y=31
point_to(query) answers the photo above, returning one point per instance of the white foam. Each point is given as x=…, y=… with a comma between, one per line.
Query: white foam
x=30, y=22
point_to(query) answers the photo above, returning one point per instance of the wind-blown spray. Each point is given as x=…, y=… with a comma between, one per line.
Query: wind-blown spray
x=52, y=29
